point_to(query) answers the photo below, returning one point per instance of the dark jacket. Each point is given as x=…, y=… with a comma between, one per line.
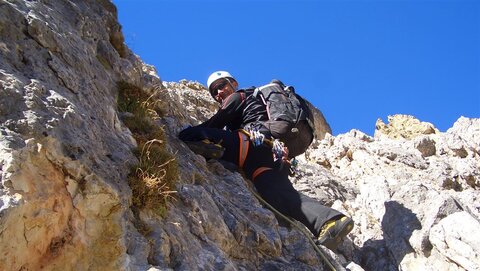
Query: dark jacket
x=238, y=110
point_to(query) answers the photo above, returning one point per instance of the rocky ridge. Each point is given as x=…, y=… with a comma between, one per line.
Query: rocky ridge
x=408, y=197
x=65, y=156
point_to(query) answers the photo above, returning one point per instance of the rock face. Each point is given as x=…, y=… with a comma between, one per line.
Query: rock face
x=65, y=156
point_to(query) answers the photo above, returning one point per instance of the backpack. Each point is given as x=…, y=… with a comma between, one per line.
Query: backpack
x=288, y=116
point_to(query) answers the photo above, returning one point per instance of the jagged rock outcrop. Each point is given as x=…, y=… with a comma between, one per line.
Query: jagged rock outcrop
x=404, y=126
x=415, y=201
x=65, y=156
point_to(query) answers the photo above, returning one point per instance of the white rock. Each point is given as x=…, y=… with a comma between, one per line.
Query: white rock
x=458, y=238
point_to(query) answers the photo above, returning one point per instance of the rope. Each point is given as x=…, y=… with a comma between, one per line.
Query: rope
x=302, y=230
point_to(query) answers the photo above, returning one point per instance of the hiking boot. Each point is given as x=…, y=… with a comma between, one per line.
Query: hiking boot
x=206, y=149
x=333, y=232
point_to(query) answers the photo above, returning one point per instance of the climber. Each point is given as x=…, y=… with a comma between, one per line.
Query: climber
x=269, y=177
x=274, y=110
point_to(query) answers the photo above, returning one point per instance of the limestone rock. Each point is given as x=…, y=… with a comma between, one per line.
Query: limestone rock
x=404, y=126
x=404, y=194
x=64, y=154
x=425, y=146
x=457, y=237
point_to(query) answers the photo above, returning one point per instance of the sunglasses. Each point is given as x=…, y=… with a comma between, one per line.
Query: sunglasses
x=218, y=87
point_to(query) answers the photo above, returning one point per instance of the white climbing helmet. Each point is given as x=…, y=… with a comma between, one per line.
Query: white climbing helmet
x=218, y=75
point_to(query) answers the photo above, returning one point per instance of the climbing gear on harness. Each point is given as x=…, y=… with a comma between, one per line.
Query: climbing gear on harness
x=256, y=137
x=280, y=151
x=206, y=148
x=333, y=231
x=293, y=167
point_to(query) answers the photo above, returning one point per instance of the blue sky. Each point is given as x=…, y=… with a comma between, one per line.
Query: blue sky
x=356, y=61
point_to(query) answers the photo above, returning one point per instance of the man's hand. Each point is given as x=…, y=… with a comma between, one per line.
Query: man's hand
x=191, y=134
x=206, y=149
x=197, y=140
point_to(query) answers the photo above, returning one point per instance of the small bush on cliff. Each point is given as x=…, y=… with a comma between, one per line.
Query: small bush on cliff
x=153, y=179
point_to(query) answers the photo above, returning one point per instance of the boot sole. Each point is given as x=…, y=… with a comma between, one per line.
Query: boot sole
x=333, y=242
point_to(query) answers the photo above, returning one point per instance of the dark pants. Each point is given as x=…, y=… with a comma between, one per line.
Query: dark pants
x=272, y=183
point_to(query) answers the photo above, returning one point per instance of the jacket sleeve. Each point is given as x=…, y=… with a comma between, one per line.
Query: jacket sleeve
x=231, y=110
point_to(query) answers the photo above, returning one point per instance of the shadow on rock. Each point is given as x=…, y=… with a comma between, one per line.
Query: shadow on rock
x=398, y=224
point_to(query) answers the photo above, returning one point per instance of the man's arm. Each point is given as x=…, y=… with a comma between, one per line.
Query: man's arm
x=231, y=109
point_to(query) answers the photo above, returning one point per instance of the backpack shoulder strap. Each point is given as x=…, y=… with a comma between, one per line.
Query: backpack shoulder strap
x=259, y=90
x=243, y=93
x=255, y=92
x=258, y=93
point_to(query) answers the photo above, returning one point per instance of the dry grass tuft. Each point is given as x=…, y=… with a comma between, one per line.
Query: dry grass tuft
x=153, y=180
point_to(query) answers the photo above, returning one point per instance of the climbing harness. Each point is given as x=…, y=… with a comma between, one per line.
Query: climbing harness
x=259, y=171
x=279, y=150
x=244, y=145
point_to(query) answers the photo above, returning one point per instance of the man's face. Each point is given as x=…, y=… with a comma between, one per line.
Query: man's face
x=221, y=89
